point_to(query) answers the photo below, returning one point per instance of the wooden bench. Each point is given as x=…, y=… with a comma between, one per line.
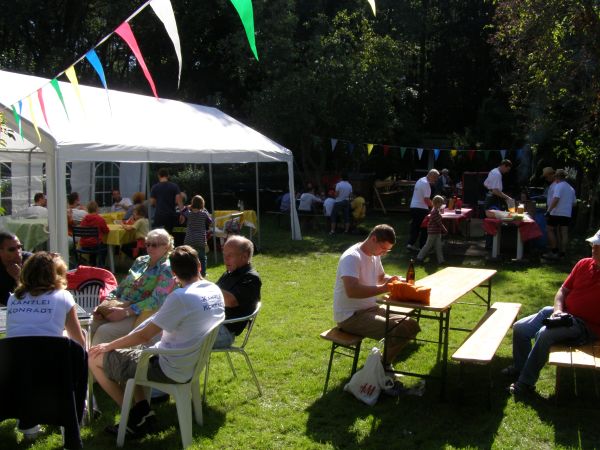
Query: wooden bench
x=565, y=356
x=483, y=342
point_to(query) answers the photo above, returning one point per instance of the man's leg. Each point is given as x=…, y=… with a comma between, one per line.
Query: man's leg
x=538, y=356
x=552, y=241
x=563, y=240
x=524, y=331
x=346, y=206
x=112, y=388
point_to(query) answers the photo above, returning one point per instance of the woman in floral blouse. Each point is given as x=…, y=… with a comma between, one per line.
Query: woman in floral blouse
x=145, y=289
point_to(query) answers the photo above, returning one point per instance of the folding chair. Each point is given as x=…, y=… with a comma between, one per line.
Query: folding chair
x=233, y=349
x=185, y=394
x=88, y=232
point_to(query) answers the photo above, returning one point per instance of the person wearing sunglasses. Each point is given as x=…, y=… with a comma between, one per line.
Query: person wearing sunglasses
x=12, y=258
x=141, y=293
x=577, y=300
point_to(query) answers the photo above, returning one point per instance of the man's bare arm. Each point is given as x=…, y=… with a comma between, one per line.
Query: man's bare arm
x=355, y=289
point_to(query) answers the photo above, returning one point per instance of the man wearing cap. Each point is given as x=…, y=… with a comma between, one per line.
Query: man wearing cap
x=561, y=198
x=493, y=183
x=577, y=296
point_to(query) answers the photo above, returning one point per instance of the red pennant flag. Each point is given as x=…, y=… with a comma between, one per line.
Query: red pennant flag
x=471, y=154
x=124, y=30
x=386, y=150
x=41, y=100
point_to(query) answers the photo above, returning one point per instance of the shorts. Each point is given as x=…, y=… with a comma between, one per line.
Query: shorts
x=120, y=365
x=558, y=221
x=342, y=208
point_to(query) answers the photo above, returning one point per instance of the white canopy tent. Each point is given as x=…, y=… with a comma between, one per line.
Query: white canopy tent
x=131, y=128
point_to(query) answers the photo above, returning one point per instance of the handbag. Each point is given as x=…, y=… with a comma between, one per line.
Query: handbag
x=366, y=384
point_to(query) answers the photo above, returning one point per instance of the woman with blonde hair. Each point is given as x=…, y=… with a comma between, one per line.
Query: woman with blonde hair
x=140, y=293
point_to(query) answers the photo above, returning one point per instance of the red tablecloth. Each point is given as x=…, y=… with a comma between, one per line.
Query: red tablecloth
x=527, y=228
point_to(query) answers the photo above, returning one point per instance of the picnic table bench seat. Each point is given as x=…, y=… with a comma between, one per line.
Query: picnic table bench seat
x=567, y=356
x=483, y=342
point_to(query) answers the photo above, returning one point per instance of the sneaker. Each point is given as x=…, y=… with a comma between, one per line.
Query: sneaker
x=394, y=389
x=522, y=389
x=29, y=434
x=510, y=371
x=144, y=426
x=331, y=233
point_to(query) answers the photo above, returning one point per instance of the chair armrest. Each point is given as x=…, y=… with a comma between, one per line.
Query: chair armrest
x=248, y=317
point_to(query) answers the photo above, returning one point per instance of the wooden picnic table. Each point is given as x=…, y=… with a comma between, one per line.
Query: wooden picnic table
x=447, y=287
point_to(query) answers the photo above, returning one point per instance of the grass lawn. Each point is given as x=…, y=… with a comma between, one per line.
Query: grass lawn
x=291, y=360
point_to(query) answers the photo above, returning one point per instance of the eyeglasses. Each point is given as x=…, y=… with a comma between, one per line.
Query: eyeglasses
x=13, y=249
x=154, y=244
x=385, y=247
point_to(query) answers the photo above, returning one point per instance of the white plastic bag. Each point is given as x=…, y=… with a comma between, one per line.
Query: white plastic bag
x=366, y=384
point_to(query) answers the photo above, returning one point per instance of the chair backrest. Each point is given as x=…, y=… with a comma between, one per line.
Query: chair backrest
x=205, y=348
x=86, y=232
x=88, y=297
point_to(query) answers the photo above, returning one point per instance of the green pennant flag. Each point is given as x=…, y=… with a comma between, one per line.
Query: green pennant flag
x=56, y=87
x=486, y=154
x=402, y=151
x=244, y=9
x=17, y=120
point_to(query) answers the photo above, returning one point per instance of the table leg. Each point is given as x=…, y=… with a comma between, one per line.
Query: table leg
x=111, y=258
x=446, y=322
x=496, y=243
x=385, y=337
x=519, y=246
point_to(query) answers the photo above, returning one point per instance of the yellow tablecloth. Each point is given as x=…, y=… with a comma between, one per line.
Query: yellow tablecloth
x=248, y=219
x=119, y=235
x=110, y=217
x=31, y=232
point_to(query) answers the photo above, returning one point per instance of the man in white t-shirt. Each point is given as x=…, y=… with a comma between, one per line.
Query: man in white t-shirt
x=359, y=280
x=343, y=190
x=35, y=211
x=120, y=203
x=495, y=196
x=561, y=199
x=187, y=314
x=419, y=208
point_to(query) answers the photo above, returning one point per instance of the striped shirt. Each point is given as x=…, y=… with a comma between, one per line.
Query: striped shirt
x=435, y=224
x=197, y=223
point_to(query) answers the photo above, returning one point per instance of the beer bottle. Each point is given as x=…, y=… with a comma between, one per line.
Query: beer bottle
x=410, y=273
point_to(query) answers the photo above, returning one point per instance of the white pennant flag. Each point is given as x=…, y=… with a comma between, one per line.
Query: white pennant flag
x=333, y=143
x=420, y=152
x=372, y=3
x=164, y=10
x=503, y=154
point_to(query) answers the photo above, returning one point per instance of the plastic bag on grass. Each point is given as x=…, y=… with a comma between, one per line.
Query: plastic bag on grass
x=367, y=383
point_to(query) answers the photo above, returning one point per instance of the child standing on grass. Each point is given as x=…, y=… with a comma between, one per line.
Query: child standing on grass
x=198, y=221
x=435, y=229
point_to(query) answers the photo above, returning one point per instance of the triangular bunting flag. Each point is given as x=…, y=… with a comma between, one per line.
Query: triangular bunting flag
x=17, y=120
x=164, y=10
x=333, y=143
x=402, y=151
x=503, y=154
x=21, y=122
x=453, y=153
x=37, y=131
x=372, y=3
x=420, y=152
x=93, y=59
x=520, y=154
x=369, y=148
x=244, y=9
x=471, y=154
x=124, y=31
x=72, y=76
x=386, y=150
x=42, y=106
x=436, y=154
x=56, y=87
x=486, y=154
x=350, y=148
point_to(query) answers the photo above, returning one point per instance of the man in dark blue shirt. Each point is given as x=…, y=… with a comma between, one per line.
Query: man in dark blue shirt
x=12, y=258
x=165, y=196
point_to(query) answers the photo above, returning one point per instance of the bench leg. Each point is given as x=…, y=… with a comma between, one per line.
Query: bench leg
x=490, y=386
x=355, y=361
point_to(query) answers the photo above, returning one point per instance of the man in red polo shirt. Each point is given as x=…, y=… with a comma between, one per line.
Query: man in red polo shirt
x=579, y=296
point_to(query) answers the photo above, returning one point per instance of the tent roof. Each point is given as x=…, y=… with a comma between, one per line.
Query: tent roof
x=131, y=127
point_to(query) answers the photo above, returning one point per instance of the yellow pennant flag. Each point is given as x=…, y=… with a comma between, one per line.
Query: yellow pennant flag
x=72, y=76
x=33, y=119
x=369, y=148
x=372, y=3
x=453, y=153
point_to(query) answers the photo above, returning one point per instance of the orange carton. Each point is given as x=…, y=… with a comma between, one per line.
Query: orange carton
x=405, y=292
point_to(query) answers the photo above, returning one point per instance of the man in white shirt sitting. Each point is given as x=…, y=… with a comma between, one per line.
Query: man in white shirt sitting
x=561, y=199
x=120, y=203
x=493, y=182
x=187, y=314
x=37, y=210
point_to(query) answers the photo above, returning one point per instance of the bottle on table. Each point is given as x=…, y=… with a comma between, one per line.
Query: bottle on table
x=410, y=273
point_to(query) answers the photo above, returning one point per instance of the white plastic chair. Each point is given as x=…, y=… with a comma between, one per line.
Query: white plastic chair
x=87, y=297
x=233, y=349
x=184, y=393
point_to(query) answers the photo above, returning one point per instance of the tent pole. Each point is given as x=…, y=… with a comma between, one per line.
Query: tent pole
x=257, y=208
x=294, y=223
x=212, y=204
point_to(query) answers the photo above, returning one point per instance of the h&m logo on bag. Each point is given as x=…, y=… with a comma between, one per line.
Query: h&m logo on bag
x=367, y=388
